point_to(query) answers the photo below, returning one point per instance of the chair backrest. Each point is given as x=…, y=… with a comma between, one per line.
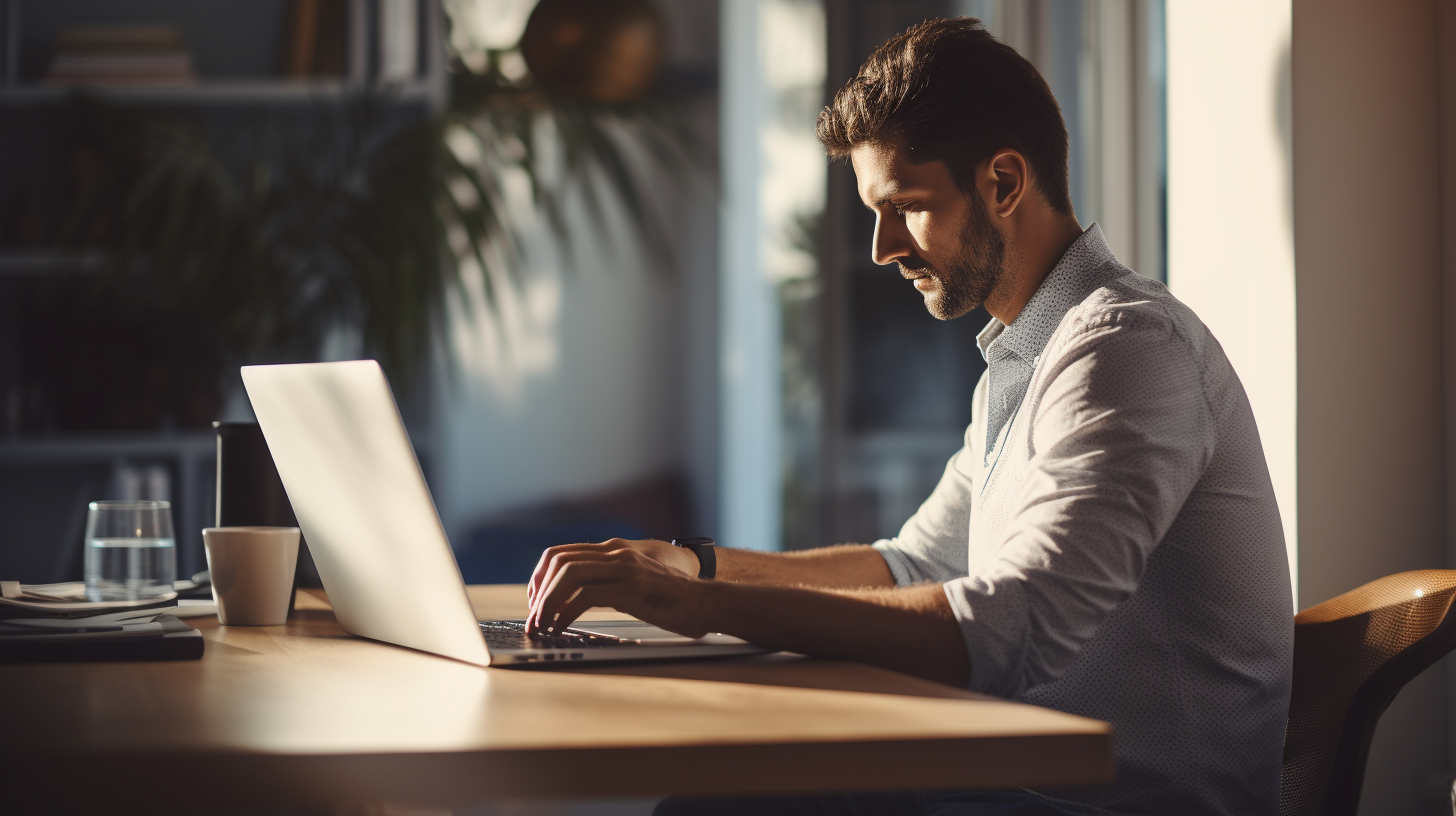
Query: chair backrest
x=1352, y=654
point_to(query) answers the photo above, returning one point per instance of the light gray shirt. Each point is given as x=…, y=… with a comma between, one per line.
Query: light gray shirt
x=1108, y=539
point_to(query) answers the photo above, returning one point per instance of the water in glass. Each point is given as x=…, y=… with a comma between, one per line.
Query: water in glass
x=130, y=550
x=129, y=569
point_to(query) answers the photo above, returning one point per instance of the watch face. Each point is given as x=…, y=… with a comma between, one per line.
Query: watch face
x=693, y=542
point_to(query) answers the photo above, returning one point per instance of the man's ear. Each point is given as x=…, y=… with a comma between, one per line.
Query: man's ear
x=1012, y=178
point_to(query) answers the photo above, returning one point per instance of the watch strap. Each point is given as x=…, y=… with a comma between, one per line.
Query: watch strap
x=705, y=550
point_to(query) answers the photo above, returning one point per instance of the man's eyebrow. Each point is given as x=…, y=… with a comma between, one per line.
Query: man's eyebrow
x=883, y=200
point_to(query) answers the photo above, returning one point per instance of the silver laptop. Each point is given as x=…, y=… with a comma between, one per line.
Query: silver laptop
x=372, y=528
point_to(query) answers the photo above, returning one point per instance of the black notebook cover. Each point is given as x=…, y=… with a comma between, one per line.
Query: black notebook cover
x=42, y=641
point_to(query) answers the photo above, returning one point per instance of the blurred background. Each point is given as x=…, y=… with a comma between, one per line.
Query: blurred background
x=596, y=245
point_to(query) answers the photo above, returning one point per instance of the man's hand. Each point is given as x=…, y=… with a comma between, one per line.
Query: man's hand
x=678, y=558
x=909, y=629
x=624, y=575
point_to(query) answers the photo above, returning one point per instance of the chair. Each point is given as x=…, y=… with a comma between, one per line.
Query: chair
x=1352, y=654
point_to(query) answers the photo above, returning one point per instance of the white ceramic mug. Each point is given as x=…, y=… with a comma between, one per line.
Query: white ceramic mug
x=252, y=573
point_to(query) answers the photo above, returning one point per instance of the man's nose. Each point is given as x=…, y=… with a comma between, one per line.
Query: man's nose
x=891, y=240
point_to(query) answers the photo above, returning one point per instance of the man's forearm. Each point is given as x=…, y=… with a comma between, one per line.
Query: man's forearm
x=847, y=566
x=911, y=630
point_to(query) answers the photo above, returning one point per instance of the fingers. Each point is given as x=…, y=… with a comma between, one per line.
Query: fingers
x=585, y=598
x=543, y=565
x=568, y=582
x=558, y=563
x=626, y=580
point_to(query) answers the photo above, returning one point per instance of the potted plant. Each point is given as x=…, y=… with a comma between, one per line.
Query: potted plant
x=208, y=250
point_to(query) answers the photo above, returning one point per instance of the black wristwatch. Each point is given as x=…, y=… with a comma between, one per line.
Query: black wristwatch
x=703, y=549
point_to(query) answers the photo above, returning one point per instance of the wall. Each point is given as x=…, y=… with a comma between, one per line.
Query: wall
x=575, y=387
x=1367, y=239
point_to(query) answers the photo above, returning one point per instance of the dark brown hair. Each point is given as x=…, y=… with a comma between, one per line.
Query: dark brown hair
x=947, y=91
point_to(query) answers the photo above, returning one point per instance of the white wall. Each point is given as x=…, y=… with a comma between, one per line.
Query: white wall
x=1230, y=220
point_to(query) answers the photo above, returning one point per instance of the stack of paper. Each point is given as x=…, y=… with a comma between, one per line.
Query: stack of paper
x=67, y=599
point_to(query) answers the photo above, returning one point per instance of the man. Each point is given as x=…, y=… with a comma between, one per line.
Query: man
x=1105, y=543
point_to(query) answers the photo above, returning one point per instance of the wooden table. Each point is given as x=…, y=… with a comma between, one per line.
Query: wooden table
x=304, y=714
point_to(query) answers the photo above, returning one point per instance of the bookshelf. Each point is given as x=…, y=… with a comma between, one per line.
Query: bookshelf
x=255, y=74
x=240, y=53
x=51, y=527
x=226, y=81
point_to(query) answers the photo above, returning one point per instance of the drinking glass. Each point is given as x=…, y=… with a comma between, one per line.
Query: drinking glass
x=131, y=554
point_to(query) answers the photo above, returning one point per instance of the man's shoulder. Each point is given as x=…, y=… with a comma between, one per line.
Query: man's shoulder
x=1135, y=308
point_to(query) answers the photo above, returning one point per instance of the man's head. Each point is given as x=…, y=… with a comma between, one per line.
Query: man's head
x=950, y=131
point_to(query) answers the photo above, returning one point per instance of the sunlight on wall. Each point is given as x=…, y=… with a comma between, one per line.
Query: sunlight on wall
x=506, y=344
x=565, y=385
x=1230, y=212
x=504, y=331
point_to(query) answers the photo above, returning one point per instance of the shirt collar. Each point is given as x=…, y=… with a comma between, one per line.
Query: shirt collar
x=1086, y=265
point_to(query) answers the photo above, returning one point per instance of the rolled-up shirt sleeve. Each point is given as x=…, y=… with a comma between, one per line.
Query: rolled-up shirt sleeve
x=1120, y=432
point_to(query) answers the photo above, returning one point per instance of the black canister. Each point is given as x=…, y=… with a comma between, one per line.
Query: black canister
x=249, y=492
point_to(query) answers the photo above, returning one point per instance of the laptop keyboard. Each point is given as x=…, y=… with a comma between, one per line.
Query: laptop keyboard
x=505, y=634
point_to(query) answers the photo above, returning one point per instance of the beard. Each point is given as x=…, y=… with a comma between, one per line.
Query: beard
x=970, y=277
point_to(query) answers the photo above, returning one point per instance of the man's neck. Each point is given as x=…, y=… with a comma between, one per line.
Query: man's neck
x=1034, y=251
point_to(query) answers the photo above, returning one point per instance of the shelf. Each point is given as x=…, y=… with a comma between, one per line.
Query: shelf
x=43, y=262
x=428, y=86
x=104, y=446
x=191, y=452
x=227, y=92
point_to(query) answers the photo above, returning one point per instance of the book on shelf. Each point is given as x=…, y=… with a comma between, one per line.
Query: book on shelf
x=121, y=54
x=315, y=47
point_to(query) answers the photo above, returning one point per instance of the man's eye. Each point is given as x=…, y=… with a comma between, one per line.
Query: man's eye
x=900, y=209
